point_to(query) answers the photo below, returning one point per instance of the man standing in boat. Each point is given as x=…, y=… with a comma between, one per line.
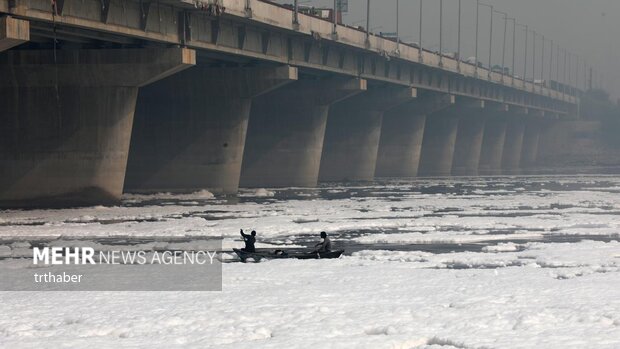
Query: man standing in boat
x=249, y=240
x=325, y=246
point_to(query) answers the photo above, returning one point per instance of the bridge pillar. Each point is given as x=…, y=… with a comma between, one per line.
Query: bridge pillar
x=353, y=133
x=66, y=122
x=438, y=146
x=531, y=139
x=513, y=146
x=468, y=145
x=190, y=129
x=400, y=145
x=492, y=146
x=287, y=129
x=13, y=32
x=402, y=134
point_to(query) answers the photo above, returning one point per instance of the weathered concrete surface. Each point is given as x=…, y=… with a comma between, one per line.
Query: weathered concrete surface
x=493, y=145
x=513, y=146
x=468, y=144
x=190, y=129
x=286, y=132
x=13, y=32
x=67, y=125
x=353, y=133
x=438, y=145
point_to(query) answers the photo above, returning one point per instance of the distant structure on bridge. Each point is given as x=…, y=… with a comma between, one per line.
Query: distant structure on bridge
x=101, y=97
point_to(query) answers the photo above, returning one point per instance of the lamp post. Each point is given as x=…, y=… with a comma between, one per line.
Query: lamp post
x=551, y=62
x=534, y=56
x=420, y=55
x=542, y=60
x=525, y=61
x=458, y=50
x=397, y=23
x=557, y=64
x=577, y=72
x=504, y=44
x=514, y=46
x=564, y=72
x=335, y=19
x=569, y=71
x=441, y=33
x=477, y=26
x=490, y=42
x=368, y=22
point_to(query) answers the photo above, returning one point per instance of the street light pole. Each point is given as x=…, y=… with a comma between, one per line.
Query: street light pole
x=368, y=22
x=504, y=44
x=557, y=64
x=477, y=25
x=441, y=33
x=577, y=72
x=296, y=13
x=335, y=19
x=420, y=55
x=551, y=63
x=569, y=72
x=534, y=57
x=542, y=60
x=514, y=47
x=564, y=72
x=397, y=23
x=458, y=62
x=490, y=43
x=525, y=61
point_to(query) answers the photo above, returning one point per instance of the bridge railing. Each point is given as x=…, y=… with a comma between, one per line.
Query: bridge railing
x=282, y=17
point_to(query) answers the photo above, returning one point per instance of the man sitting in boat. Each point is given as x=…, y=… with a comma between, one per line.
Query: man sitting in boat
x=250, y=240
x=325, y=246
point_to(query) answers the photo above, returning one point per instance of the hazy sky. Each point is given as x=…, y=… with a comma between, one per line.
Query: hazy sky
x=589, y=29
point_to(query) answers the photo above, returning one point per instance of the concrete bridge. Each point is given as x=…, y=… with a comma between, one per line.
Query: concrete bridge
x=98, y=97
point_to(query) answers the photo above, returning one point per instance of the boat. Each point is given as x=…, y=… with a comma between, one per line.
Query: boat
x=279, y=254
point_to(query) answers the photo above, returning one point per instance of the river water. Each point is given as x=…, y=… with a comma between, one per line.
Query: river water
x=504, y=262
x=435, y=215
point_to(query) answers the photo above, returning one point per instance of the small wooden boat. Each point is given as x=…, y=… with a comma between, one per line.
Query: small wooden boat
x=279, y=254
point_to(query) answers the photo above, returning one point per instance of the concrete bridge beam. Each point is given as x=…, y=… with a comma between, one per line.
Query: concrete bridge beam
x=493, y=145
x=190, y=129
x=67, y=121
x=13, y=32
x=287, y=129
x=353, y=133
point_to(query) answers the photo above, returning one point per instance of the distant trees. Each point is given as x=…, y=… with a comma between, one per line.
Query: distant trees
x=596, y=105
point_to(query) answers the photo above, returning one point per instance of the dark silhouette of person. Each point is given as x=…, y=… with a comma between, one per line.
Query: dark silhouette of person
x=249, y=240
x=325, y=245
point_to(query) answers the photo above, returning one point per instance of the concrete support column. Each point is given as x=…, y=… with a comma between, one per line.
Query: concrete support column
x=531, y=139
x=401, y=143
x=513, y=146
x=286, y=132
x=67, y=122
x=353, y=133
x=468, y=146
x=438, y=146
x=492, y=146
x=13, y=32
x=190, y=129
